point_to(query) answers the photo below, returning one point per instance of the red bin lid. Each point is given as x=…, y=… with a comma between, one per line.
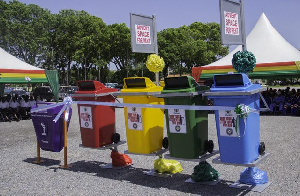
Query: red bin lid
x=92, y=87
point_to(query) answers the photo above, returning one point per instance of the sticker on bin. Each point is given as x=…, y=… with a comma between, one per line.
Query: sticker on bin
x=227, y=120
x=44, y=129
x=134, y=116
x=86, y=117
x=177, y=121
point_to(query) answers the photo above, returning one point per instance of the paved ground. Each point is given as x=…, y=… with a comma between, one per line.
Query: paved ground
x=19, y=176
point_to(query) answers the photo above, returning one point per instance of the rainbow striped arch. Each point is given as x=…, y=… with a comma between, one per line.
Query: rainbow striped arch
x=261, y=70
x=18, y=76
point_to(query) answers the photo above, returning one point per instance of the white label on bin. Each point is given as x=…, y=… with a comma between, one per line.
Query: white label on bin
x=86, y=117
x=134, y=116
x=227, y=119
x=44, y=133
x=177, y=121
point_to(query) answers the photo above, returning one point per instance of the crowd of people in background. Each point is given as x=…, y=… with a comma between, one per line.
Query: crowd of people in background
x=16, y=107
x=282, y=101
x=279, y=101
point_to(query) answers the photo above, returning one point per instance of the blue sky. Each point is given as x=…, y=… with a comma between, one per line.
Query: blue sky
x=284, y=15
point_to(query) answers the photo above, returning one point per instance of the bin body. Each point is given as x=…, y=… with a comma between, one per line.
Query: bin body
x=97, y=123
x=50, y=135
x=144, y=126
x=187, y=129
x=242, y=147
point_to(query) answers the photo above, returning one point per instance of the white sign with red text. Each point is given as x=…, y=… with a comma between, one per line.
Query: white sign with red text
x=231, y=23
x=86, y=117
x=142, y=34
x=134, y=116
x=227, y=123
x=177, y=120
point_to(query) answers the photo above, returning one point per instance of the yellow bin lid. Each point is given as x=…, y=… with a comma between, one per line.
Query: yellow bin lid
x=139, y=84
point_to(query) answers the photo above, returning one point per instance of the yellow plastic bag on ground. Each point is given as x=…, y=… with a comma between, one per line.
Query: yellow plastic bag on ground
x=167, y=166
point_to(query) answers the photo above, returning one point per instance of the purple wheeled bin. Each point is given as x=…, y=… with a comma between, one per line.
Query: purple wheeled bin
x=50, y=135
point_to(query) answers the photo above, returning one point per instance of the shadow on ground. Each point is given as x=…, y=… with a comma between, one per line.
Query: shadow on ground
x=44, y=162
x=137, y=176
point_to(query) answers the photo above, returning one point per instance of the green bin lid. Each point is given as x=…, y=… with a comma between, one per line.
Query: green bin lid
x=182, y=82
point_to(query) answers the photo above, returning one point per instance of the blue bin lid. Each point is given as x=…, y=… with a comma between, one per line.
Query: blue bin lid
x=233, y=82
x=230, y=80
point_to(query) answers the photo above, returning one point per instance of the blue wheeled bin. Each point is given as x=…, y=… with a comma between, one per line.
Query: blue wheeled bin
x=50, y=135
x=239, y=141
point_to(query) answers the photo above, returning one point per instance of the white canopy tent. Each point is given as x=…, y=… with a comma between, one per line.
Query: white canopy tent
x=13, y=70
x=274, y=55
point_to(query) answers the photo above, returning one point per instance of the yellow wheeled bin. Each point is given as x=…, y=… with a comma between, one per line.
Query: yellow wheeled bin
x=144, y=126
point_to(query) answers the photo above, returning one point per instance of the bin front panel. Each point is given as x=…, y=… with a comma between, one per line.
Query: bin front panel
x=148, y=135
x=188, y=144
x=144, y=126
x=97, y=122
x=235, y=149
x=49, y=134
x=97, y=125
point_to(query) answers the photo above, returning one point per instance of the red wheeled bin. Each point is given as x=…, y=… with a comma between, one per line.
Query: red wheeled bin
x=97, y=122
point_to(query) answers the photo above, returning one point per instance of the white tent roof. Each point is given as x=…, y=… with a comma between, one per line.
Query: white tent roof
x=7, y=61
x=266, y=44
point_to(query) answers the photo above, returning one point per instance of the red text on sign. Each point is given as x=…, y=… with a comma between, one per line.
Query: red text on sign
x=142, y=34
x=231, y=23
x=175, y=119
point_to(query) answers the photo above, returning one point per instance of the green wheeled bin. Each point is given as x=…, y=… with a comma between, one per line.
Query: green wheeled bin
x=187, y=129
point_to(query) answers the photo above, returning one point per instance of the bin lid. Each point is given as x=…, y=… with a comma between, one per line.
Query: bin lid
x=139, y=85
x=231, y=80
x=183, y=84
x=92, y=87
x=233, y=85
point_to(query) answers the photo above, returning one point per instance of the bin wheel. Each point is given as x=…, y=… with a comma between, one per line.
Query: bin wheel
x=210, y=146
x=261, y=148
x=116, y=138
x=165, y=143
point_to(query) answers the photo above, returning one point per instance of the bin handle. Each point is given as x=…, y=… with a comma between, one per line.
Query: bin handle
x=263, y=99
x=90, y=95
x=67, y=103
x=190, y=94
x=115, y=97
x=232, y=93
x=137, y=94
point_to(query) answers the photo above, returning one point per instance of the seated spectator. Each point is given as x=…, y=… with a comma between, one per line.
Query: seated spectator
x=297, y=103
x=14, y=108
x=278, y=101
x=4, y=105
x=286, y=91
x=289, y=101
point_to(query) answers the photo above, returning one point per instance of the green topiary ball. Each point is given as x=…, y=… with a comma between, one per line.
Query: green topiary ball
x=243, y=61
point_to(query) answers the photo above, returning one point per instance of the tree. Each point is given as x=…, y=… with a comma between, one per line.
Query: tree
x=24, y=31
x=120, y=46
x=188, y=46
x=82, y=46
x=168, y=48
